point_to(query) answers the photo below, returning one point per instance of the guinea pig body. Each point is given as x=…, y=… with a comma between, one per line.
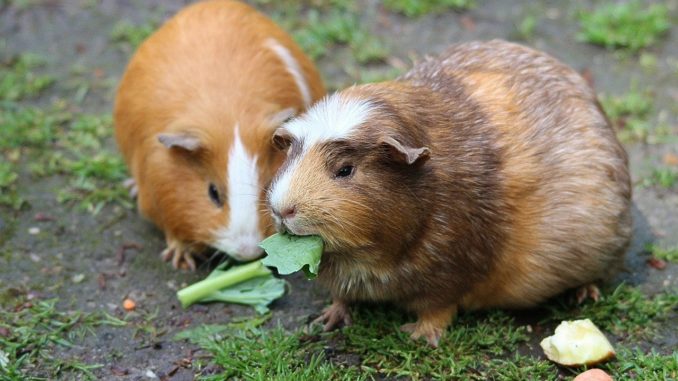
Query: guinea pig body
x=486, y=177
x=194, y=115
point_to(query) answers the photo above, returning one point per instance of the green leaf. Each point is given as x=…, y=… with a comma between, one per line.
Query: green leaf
x=290, y=253
x=221, y=279
x=258, y=292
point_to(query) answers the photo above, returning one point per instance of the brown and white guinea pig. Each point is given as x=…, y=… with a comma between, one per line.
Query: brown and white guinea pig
x=194, y=115
x=485, y=177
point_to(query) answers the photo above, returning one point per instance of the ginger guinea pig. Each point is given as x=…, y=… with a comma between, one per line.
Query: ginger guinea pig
x=194, y=115
x=485, y=177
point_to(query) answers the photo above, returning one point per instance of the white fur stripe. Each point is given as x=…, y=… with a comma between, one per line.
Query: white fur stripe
x=241, y=237
x=334, y=117
x=292, y=67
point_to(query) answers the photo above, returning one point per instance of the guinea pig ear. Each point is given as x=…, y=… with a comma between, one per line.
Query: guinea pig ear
x=405, y=155
x=281, y=139
x=184, y=141
x=282, y=116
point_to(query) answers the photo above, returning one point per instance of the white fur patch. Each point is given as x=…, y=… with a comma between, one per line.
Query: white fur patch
x=241, y=239
x=334, y=117
x=292, y=67
x=330, y=119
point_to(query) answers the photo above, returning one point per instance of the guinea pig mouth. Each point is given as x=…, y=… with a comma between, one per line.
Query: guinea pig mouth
x=293, y=228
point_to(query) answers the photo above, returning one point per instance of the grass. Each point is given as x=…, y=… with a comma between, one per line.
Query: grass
x=42, y=141
x=33, y=332
x=321, y=27
x=526, y=27
x=665, y=177
x=625, y=312
x=630, y=114
x=670, y=254
x=416, y=8
x=8, y=193
x=130, y=36
x=321, y=31
x=631, y=25
x=479, y=346
x=19, y=80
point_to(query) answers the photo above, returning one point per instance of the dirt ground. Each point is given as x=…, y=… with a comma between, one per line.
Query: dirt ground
x=75, y=256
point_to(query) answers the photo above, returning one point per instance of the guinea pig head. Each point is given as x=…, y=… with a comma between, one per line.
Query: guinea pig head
x=355, y=174
x=213, y=192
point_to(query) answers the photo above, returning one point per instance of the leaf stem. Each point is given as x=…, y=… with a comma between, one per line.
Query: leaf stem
x=200, y=290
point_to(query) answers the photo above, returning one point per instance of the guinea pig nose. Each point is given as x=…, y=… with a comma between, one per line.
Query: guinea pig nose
x=288, y=212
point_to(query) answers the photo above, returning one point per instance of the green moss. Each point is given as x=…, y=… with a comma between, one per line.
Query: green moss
x=635, y=364
x=415, y=8
x=630, y=25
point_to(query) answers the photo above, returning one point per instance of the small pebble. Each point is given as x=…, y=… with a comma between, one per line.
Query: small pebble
x=129, y=304
x=34, y=230
x=150, y=374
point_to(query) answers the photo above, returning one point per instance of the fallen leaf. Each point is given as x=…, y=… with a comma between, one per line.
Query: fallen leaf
x=671, y=159
x=656, y=263
x=468, y=23
x=120, y=255
x=42, y=217
x=101, y=279
x=119, y=371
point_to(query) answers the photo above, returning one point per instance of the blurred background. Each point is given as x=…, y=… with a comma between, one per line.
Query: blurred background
x=72, y=246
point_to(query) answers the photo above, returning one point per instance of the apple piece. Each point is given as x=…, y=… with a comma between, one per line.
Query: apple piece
x=576, y=343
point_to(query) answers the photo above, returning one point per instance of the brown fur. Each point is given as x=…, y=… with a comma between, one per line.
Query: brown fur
x=204, y=71
x=526, y=192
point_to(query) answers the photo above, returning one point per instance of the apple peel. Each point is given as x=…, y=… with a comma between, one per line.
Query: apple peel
x=577, y=343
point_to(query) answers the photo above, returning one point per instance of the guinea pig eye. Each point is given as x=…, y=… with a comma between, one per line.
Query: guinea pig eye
x=345, y=171
x=214, y=195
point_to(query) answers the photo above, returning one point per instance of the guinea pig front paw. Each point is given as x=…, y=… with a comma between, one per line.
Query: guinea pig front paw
x=334, y=316
x=430, y=325
x=182, y=256
x=132, y=188
x=422, y=329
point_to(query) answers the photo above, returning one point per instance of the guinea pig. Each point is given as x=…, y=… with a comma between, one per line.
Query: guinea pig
x=486, y=177
x=194, y=115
